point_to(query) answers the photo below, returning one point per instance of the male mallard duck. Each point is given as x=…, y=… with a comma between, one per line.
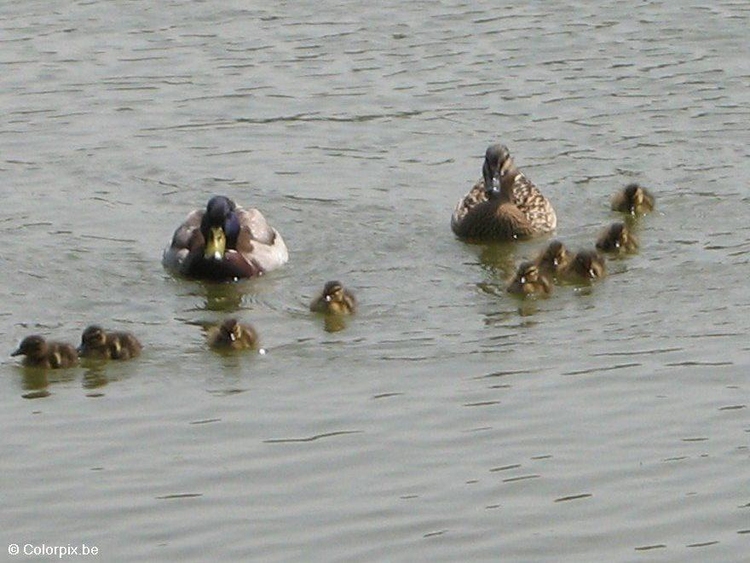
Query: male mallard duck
x=43, y=354
x=231, y=335
x=617, y=239
x=633, y=199
x=504, y=204
x=529, y=280
x=98, y=344
x=224, y=242
x=586, y=265
x=334, y=299
x=553, y=258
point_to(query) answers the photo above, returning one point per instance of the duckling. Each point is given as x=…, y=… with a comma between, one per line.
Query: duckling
x=335, y=299
x=224, y=242
x=43, y=354
x=231, y=335
x=503, y=205
x=633, y=199
x=617, y=239
x=98, y=344
x=529, y=280
x=553, y=258
x=586, y=265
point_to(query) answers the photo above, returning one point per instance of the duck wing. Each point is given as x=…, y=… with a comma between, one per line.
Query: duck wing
x=533, y=204
x=258, y=242
x=475, y=196
x=492, y=221
x=184, y=237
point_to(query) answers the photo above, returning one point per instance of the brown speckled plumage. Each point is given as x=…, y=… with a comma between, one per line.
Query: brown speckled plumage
x=481, y=215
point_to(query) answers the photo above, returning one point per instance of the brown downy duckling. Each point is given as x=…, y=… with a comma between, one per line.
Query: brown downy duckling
x=232, y=335
x=633, y=199
x=335, y=299
x=529, y=280
x=553, y=258
x=43, y=354
x=98, y=344
x=617, y=239
x=504, y=205
x=586, y=265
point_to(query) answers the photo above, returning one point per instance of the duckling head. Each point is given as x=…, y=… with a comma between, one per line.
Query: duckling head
x=590, y=264
x=230, y=330
x=554, y=255
x=492, y=171
x=333, y=292
x=529, y=279
x=220, y=227
x=33, y=346
x=93, y=338
x=636, y=197
x=616, y=238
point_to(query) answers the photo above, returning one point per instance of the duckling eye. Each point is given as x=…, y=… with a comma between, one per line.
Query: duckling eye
x=523, y=279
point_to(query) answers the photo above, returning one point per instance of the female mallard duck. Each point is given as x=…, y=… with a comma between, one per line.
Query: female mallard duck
x=633, y=199
x=42, y=354
x=553, y=258
x=586, y=265
x=224, y=242
x=231, y=335
x=98, y=344
x=334, y=299
x=503, y=205
x=617, y=239
x=529, y=280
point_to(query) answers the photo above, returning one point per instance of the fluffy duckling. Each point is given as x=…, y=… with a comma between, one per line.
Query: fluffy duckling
x=224, y=242
x=43, y=354
x=586, y=265
x=503, y=205
x=335, y=299
x=98, y=344
x=529, y=280
x=617, y=239
x=553, y=258
x=231, y=335
x=633, y=199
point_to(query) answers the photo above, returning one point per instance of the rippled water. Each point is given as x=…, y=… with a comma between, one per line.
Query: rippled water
x=446, y=421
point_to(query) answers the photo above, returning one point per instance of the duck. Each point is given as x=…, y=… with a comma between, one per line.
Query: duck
x=529, y=280
x=553, y=258
x=224, y=242
x=43, y=354
x=633, y=199
x=335, y=299
x=232, y=335
x=98, y=344
x=503, y=205
x=586, y=265
x=617, y=239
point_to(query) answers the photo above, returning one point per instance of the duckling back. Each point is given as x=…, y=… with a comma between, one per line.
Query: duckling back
x=39, y=353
